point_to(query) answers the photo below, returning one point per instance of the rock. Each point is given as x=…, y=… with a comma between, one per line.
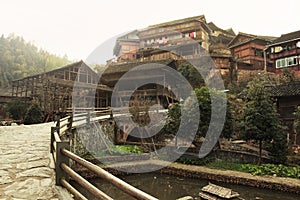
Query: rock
x=5, y=177
x=5, y=166
x=29, y=189
x=43, y=172
x=33, y=164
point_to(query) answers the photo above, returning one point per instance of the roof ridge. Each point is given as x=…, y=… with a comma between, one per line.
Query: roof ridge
x=177, y=21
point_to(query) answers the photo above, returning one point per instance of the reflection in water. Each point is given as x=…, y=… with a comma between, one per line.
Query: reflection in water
x=166, y=187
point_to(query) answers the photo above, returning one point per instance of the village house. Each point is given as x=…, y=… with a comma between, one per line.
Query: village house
x=285, y=53
x=127, y=45
x=287, y=98
x=187, y=38
x=248, y=55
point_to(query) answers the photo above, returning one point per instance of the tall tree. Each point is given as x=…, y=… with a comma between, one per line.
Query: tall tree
x=19, y=59
x=204, y=96
x=262, y=122
x=296, y=124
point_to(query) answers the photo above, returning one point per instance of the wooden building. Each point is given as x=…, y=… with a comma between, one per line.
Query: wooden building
x=248, y=51
x=54, y=90
x=176, y=32
x=285, y=53
x=126, y=46
x=287, y=98
x=182, y=39
x=151, y=93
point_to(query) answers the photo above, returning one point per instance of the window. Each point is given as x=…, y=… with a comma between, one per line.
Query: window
x=259, y=63
x=259, y=52
x=292, y=61
x=278, y=63
x=278, y=49
x=285, y=62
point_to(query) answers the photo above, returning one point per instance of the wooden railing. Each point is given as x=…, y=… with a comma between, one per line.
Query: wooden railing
x=62, y=156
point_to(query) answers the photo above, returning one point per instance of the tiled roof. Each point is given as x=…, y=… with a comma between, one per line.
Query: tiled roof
x=174, y=22
x=249, y=37
x=287, y=89
x=287, y=37
x=213, y=27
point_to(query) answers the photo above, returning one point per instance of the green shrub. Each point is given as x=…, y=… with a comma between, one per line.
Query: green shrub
x=120, y=150
x=34, y=114
x=273, y=170
x=16, y=109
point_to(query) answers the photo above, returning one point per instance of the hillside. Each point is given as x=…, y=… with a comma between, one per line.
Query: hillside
x=19, y=59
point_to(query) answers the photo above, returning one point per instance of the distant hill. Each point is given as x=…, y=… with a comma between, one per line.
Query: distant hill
x=19, y=59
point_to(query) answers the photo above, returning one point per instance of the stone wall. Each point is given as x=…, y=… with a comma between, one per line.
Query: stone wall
x=228, y=155
x=92, y=138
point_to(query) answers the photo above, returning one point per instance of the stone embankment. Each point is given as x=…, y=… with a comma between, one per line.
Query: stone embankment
x=26, y=165
x=225, y=176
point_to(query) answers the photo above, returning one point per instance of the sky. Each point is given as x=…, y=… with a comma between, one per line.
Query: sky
x=76, y=27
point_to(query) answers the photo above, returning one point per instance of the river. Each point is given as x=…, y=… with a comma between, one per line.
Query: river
x=168, y=187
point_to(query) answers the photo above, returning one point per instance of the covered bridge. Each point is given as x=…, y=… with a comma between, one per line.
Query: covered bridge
x=54, y=90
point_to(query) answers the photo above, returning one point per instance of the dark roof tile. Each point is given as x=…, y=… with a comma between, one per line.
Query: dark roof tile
x=287, y=37
x=287, y=89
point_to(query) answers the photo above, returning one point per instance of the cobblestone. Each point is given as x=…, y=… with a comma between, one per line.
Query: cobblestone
x=26, y=168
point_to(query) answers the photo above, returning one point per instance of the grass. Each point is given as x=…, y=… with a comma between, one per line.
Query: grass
x=260, y=170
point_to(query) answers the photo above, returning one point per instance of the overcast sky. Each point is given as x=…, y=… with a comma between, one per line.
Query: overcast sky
x=77, y=28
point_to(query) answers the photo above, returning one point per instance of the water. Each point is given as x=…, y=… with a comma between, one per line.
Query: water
x=168, y=187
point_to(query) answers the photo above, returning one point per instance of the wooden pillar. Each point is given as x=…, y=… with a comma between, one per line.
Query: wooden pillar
x=12, y=88
x=17, y=91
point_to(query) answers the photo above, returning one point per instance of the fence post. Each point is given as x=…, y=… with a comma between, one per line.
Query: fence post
x=52, y=139
x=61, y=158
x=58, y=125
x=88, y=118
x=110, y=113
x=70, y=123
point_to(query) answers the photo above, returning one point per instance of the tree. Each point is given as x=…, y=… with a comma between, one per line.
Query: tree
x=191, y=74
x=296, y=124
x=204, y=96
x=287, y=76
x=262, y=123
x=19, y=59
x=17, y=109
x=34, y=114
x=173, y=118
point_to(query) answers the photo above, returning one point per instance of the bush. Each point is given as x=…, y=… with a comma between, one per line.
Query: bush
x=117, y=150
x=34, y=114
x=16, y=109
x=273, y=170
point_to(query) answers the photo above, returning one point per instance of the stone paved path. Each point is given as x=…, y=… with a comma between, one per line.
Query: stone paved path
x=26, y=166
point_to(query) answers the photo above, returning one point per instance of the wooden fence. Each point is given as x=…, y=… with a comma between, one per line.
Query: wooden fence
x=62, y=156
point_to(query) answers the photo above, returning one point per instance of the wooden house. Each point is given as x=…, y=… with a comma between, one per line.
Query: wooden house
x=183, y=39
x=248, y=51
x=60, y=89
x=175, y=33
x=156, y=93
x=285, y=53
x=127, y=45
x=287, y=98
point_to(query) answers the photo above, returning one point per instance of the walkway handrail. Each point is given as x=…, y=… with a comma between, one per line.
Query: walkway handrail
x=62, y=156
x=120, y=184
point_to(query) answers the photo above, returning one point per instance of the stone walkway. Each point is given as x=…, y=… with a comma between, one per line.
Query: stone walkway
x=26, y=165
